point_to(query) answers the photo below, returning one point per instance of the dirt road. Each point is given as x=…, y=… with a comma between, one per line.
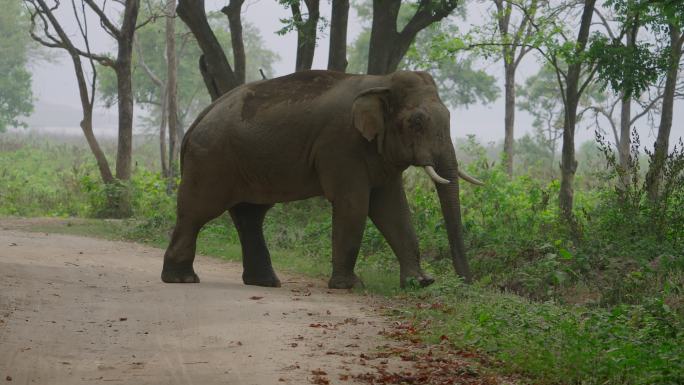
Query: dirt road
x=77, y=310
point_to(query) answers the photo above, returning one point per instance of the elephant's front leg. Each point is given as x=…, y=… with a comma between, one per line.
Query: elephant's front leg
x=390, y=213
x=350, y=211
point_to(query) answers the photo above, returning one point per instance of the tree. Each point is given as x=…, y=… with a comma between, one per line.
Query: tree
x=458, y=80
x=337, y=54
x=540, y=97
x=388, y=45
x=217, y=73
x=632, y=67
x=673, y=17
x=574, y=71
x=306, y=30
x=233, y=12
x=514, y=36
x=15, y=80
x=54, y=36
x=573, y=86
x=171, y=91
x=151, y=73
x=460, y=84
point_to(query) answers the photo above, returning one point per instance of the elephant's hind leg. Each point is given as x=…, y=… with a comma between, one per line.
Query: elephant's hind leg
x=256, y=260
x=196, y=207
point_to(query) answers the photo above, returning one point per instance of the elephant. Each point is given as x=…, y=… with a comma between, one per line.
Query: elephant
x=342, y=136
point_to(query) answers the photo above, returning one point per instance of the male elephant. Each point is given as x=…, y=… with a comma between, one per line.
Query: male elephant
x=346, y=137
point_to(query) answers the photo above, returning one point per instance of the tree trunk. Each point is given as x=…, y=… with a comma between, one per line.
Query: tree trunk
x=232, y=10
x=125, y=90
x=125, y=105
x=568, y=161
x=306, y=33
x=100, y=158
x=662, y=144
x=337, y=55
x=217, y=74
x=87, y=121
x=172, y=87
x=162, y=135
x=450, y=203
x=624, y=143
x=383, y=37
x=387, y=45
x=572, y=95
x=509, y=116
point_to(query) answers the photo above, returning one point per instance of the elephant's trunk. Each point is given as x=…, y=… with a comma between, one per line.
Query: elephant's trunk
x=451, y=209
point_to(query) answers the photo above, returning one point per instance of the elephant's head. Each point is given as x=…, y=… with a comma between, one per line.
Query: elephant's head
x=411, y=126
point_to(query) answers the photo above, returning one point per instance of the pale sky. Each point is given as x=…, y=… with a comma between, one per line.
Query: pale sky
x=54, y=82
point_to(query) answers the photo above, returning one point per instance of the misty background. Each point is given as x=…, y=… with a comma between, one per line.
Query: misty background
x=57, y=107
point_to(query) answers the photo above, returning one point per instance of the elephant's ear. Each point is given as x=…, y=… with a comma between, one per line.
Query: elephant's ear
x=368, y=114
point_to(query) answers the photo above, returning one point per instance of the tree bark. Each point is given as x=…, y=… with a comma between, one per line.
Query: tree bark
x=232, y=11
x=162, y=135
x=172, y=87
x=387, y=45
x=337, y=55
x=123, y=70
x=509, y=115
x=306, y=33
x=662, y=144
x=625, y=142
x=572, y=95
x=383, y=37
x=217, y=74
x=512, y=53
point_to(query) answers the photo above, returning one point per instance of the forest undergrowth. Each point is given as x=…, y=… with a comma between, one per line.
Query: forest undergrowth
x=598, y=302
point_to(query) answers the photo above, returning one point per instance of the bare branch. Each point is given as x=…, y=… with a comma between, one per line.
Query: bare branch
x=148, y=71
x=605, y=23
x=107, y=25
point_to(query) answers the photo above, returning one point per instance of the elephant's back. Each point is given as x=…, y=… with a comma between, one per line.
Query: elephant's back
x=293, y=92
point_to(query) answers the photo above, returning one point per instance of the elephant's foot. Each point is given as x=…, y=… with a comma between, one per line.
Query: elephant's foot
x=179, y=276
x=267, y=280
x=421, y=278
x=345, y=282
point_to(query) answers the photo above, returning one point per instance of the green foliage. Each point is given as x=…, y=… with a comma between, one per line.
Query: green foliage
x=459, y=82
x=16, y=98
x=291, y=24
x=632, y=69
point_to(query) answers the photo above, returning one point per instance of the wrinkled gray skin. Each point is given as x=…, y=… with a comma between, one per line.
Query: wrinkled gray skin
x=345, y=137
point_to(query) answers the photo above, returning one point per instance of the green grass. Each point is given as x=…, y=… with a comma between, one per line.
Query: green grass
x=548, y=343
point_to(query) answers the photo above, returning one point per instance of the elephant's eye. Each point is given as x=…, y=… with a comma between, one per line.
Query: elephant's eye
x=417, y=121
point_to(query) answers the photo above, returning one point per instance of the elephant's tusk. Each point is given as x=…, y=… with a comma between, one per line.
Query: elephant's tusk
x=434, y=176
x=469, y=178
